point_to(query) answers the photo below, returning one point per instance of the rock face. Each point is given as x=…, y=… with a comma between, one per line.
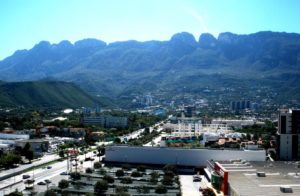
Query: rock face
x=207, y=40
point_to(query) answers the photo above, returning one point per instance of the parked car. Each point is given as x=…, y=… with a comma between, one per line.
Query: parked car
x=49, y=167
x=197, y=178
x=26, y=176
x=41, y=183
x=64, y=173
x=48, y=181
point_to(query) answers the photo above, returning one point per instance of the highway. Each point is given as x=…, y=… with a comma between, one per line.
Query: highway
x=41, y=174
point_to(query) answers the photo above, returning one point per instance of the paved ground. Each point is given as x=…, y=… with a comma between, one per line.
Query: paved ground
x=188, y=187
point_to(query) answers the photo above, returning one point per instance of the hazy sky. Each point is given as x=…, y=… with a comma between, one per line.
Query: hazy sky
x=23, y=23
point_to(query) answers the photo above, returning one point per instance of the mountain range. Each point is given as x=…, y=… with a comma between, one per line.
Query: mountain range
x=270, y=59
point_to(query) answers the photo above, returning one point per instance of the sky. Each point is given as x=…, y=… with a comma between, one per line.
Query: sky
x=24, y=23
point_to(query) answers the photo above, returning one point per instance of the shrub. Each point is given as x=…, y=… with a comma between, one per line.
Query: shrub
x=136, y=174
x=50, y=193
x=88, y=170
x=126, y=167
x=100, y=187
x=143, y=189
x=97, y=165
x=141, y=168
x=169, y=173
x=167, y=180
x=170, y=168
x=161, y=189
x=15, y=193
x=119, y=173
x=109, y=179
x=154, y=175
x=63, y=184
x=75, y=175
x=121, y=189
x=102, y=171
x=126, y=180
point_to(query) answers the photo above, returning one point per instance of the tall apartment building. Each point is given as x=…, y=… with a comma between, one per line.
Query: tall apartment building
x=288, y=147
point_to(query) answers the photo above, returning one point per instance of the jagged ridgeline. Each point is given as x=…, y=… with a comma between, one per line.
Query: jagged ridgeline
x=45, y=94
x=263, y=58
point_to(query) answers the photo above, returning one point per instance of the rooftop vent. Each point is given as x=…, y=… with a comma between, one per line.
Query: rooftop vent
x=261, y=174
x=286, y=189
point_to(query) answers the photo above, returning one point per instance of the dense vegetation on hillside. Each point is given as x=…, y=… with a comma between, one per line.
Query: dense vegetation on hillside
x=44, y=94
x=181, y=64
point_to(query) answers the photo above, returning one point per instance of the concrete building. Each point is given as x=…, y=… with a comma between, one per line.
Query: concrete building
x=39, y=146
x=185, y=127
x=240, y=177
x=106, y=121
x=9, y=136
x=288, y=147
x=236, y=123
x=196, y=157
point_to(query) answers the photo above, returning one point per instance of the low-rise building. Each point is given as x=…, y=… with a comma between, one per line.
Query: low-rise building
x=39, y=146
x=240, y=177
x=106, y=121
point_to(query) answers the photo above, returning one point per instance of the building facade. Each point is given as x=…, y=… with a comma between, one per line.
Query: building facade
x=106, y=121
x=288, y=134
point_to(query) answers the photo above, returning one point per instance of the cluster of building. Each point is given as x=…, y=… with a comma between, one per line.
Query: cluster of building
x=243, y=104
x=12, y=139
x=243, y=171
x=106, y=121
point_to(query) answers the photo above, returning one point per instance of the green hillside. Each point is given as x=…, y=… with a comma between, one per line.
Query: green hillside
x=46, y=94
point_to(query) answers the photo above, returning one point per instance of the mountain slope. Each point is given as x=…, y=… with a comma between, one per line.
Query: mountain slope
x=126, y=67
x=44, y=93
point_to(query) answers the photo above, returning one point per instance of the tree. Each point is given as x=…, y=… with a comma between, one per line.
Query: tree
x=119, y=173
x=121, y=191
x=161, y=189
x=8, y=160
x=167, y=180
x=126, y=167
x=143, y=189
x=97, y=165
x=141, y=168
x=61, y=154
x=15, y=193
x=63, y=184
x=109, y=179
x=136, y=174
x=50, y=193
x=101, y=150
x=170, y=168
x=126, y=180
x=100, y=187
x=75, y=175
x=117, y=140
x=89, y=170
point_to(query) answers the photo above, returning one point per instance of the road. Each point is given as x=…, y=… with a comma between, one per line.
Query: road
x=44, y=159
x=41, y=174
